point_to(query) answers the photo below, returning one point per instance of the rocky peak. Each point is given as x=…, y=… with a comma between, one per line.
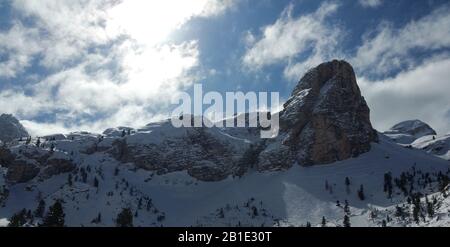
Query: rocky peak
x=326, y=119
x=340, y=72
x=407, y=132
x=414, y=127
x=11, y=128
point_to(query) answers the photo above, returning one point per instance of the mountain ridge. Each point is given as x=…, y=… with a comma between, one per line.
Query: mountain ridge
x=328, y=162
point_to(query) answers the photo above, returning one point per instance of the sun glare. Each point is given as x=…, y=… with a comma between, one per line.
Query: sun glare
x=150, y=22
x=150, y=61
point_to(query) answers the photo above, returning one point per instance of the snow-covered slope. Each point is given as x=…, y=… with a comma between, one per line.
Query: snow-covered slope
x=439, y=146
x=293, y=197
x=419, y=135
x=10, y=128
x=407, y=132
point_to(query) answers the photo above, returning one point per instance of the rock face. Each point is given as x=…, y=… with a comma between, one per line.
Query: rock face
x=325, y=120
x=26, y=162
x=10, y=128
x=6, y=157
x=57, y=166
x=21, y=171
x=205, y=153
x=408, y=131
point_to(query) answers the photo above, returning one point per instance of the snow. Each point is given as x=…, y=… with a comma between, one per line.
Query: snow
x=4, y=222
x=55, y=137
x=299, y=98
x=401, y=138
x=407, y=132
x=439, y=146
x=156, y=133
x=293, y=197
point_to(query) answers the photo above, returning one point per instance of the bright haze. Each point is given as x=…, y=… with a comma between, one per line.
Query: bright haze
x=93, y=64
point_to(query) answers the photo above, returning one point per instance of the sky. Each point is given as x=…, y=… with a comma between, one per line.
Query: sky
x=71, y=65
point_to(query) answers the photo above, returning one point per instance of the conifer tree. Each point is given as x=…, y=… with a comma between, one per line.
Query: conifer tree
x=346, y=207
x=125, y=218
x=416, y=211
x=96, y=183
x=361, y=195
x=69, y=180
x=347, y=181
x=388, y=184
x=40, y=210
x=55, y=216
x=324, y=222
x=430, y=208
x=18, y=219
x=399, y=212
x=347, y=185
x=347, y=221
x=99, y=218
x=221, y=214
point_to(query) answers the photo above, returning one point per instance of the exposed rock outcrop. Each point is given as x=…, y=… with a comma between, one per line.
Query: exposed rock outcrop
x=21, y=171
x=6, y=157
x=25, y=162
x=205, y=153
x=11, y=128
x=325, y=120
x=57, y=166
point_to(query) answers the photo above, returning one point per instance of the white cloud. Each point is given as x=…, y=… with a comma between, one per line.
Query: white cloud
x=151, y=21
x=17, y=102
x=419, y=93
x=370, y=3
x=111, y=62
x=388, y=49
x=289, y=37
x=149, y=81
x=19, y=44
x=67, y=28
x=419, y=90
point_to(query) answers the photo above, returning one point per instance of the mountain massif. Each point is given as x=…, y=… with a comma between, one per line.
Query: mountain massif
x=327, y=167
x=408, y=131
x=10, y=128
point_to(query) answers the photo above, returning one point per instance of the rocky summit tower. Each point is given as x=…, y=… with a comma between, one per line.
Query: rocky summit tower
x=325, y=120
